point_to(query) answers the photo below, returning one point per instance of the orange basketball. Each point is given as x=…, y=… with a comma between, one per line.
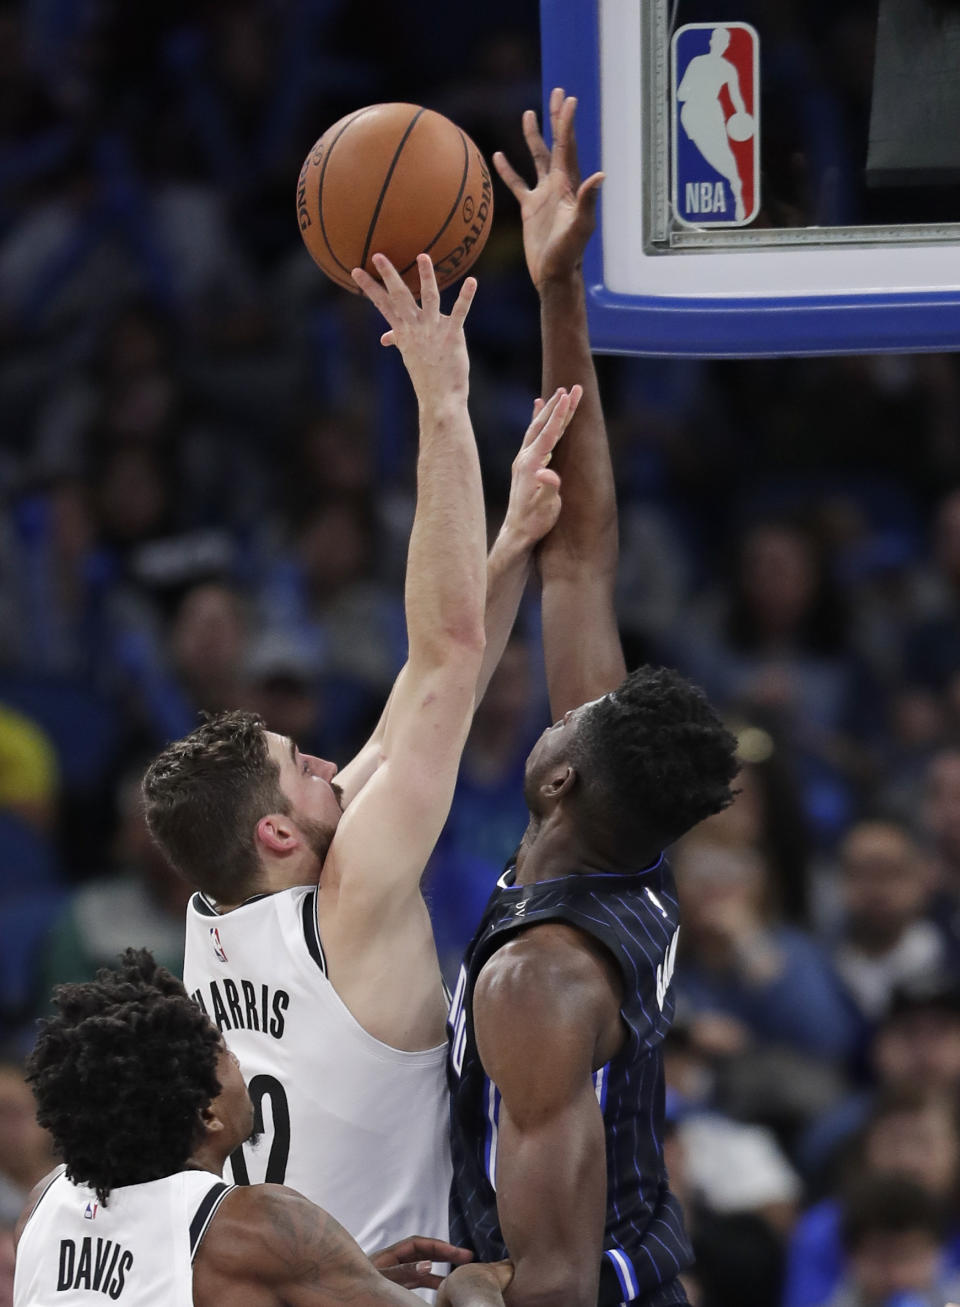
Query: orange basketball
x=398, y=180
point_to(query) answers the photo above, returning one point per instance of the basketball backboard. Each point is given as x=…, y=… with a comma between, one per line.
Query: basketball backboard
x=782, y=176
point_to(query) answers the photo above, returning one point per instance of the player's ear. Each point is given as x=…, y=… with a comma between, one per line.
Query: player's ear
x=277, y=834
x=211, y=1122
x=559, y=782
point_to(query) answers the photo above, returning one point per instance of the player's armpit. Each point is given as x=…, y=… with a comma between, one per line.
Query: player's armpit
x=546, y=1013
x=269, y=1244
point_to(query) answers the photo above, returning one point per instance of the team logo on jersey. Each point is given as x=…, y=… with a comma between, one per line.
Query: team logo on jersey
x=716, y=124
x=90, y=1211
x=217, y=946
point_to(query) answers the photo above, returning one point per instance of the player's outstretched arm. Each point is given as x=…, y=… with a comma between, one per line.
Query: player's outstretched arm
x=578, y=559
x=540, y=1009
x=269, y=1245
x=388, y=831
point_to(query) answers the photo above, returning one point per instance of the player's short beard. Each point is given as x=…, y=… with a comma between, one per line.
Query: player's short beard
x=318, y=836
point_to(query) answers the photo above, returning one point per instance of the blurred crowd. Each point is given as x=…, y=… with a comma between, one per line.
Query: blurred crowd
x=206, y=470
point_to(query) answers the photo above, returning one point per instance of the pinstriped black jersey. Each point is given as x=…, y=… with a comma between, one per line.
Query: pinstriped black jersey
x=635, y=918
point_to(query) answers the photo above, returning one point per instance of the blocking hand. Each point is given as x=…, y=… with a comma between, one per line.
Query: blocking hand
x=559, y=211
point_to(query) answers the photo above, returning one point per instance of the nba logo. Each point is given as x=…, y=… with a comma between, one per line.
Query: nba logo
x=716, y=124
x=217, y=946
x=90, y=1212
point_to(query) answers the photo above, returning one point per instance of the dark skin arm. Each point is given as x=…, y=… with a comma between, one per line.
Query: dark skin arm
x=578, y=559
x=268, y=1246
x=546, y=1012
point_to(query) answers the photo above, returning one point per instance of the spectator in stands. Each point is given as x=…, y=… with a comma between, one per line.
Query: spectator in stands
x=728, y=1237
x=893, y=1240
x=885, y=937
x=917, y=1043
x=932, y=647
x=912, y=1134
x=28, y=771
x=767, y=816
x=325, y=591
x=26, y=1150
x=140, y=903
x=737, y=962
x=775, y=647
x=942, y=820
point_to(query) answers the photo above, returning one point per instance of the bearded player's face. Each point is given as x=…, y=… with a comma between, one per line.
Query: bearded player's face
x=309, y=785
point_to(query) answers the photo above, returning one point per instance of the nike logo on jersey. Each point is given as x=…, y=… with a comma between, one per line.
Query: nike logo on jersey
x=656, y=902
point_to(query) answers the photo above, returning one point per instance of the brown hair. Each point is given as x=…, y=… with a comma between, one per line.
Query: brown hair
x=203, y=797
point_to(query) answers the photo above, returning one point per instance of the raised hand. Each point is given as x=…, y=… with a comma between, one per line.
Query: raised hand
x=559, y=211
x=432, y=344
x=534, y=504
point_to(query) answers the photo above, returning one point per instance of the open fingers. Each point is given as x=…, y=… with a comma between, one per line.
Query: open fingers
x=394, y=283
x=545, y=443
x=373, y=290
x=509, y=175
x=458, y=314
x=429, y=295
x=565, y=142
x=536, y=144
x=557, y=423
x=588, y=194
x=541, y=416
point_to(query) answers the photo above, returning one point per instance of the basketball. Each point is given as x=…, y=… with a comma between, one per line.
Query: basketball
x=399, y=180
x=740, y=126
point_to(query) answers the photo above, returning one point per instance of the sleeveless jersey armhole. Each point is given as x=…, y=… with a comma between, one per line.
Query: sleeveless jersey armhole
x=209, y=1206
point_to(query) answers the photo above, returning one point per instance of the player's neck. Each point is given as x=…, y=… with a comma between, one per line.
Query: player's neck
x=287, y=873
x=208, y=1157
x=552, y=847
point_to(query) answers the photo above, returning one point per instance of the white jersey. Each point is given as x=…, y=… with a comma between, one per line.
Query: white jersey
x=138, y=1250
x=358, y=1127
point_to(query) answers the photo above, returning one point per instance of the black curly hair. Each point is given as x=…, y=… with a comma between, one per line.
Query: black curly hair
x=203, y=796
x=122, y=1073
x=653, y=759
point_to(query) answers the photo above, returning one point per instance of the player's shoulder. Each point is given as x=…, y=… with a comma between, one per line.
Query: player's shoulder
x=551, y=965
x=258, y=1230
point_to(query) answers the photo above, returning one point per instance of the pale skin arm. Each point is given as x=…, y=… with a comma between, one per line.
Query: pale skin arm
x=543, y=1009
x=578, y=560
x=270, y=1247
x=387, y=833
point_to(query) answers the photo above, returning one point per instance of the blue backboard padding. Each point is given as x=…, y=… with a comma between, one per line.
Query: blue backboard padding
x=715, y=327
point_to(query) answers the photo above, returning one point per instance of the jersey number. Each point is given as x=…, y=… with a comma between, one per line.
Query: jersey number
x=262, y=1087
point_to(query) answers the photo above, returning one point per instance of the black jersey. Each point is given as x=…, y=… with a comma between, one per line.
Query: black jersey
x=635, y=918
